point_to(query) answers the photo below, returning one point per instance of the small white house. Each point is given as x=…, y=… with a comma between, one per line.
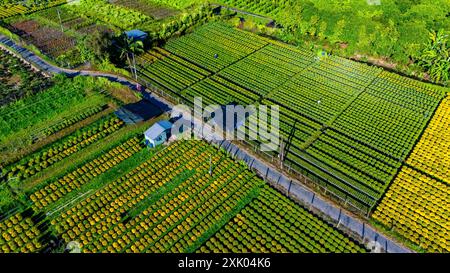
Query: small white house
x=158, y=133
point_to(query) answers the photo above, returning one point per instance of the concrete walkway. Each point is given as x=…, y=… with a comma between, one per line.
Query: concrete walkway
x=51, y=69
x=292, y=188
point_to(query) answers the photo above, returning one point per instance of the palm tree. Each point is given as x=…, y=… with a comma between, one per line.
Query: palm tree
x=128, y=47
x=136, y=47
x=123, y=43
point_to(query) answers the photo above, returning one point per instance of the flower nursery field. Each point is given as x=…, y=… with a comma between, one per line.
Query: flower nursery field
x=417, y=204
x=166, y=201
x=10, y=10
x=49, y=40
x=348, y=123
x=18, y=80
x=375, y=142
x=148, y=8
x=56, y=123
x=351, y=127
x=45, y=106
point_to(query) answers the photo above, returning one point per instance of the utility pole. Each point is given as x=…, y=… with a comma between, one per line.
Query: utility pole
x=281, y=153
x=134, y=64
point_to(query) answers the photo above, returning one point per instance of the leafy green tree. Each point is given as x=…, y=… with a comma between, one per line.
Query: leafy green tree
x=99, y=43
x=291, y=17
x=338, y=32
x=322, y=30
x=435, y=58
x=365, y=39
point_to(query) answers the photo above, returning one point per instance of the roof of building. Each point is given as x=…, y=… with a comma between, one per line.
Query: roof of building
x=136, y=34
x=157, y=128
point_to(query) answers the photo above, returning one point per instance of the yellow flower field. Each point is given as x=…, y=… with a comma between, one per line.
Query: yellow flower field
x=418, y=207
x=432, y=153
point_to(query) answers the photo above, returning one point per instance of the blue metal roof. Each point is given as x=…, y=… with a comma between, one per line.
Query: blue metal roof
x=157, y=129
x=136, y=34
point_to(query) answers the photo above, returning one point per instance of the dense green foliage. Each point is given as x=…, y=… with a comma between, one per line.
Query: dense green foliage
x=435, y=58
x=393, y=28
x=396, y=30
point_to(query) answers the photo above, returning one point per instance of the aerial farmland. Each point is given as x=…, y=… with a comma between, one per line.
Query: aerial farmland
x=113, y=136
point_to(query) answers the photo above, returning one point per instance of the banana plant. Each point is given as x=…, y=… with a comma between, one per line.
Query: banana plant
x=435, y=58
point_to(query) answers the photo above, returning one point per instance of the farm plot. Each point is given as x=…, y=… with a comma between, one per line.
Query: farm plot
x=148, y=8
x=361, y=171
x=267, y=69
x=63, y=124
x=178, y=202
x=29, y=230
x=432, y=152
x=20, y=234
x=216, y=90
x=272, y=223
x=38, y=119
x=73, y=143
x=99, y=10
x=324, y=89
x=391, y=114
x=18, y=80
x=183, y=74
x=417, y=204
x=53, y=192
x=348, y=125
x=72, y=19
x=417, y=207
x=54, y=14
x=167, y=202
x=10, y=10
x=369, y=129
x=49, y=40
x=45, y=105
x=214, y=47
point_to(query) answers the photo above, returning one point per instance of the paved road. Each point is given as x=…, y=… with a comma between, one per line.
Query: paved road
x=51, y=69
x=293, y=188
x=44, y=65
